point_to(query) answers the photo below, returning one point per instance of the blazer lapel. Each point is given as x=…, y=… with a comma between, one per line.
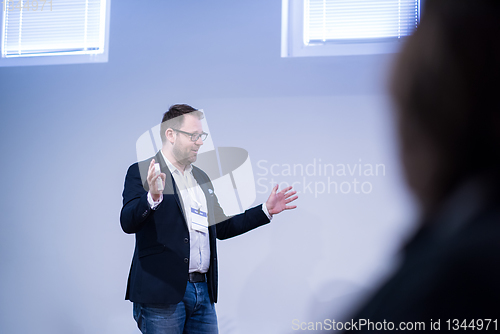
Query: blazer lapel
x=170, y=186
x=209, y=193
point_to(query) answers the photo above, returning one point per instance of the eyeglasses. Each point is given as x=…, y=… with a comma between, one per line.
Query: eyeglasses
x=194, y=136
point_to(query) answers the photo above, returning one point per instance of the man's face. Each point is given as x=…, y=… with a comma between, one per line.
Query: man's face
x=184, y=149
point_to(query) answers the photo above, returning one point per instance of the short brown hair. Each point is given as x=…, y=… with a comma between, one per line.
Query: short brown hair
x=174, y=118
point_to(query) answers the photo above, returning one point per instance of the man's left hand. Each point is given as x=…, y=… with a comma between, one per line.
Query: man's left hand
x=277, y=201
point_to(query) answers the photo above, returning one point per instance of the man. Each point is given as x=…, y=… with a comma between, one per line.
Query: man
x=446, y=86
x=173, y=277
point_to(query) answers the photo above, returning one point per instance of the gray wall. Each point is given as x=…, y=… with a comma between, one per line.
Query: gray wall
x=68, y=134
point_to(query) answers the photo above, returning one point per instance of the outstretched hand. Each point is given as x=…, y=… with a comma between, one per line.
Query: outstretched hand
x=277, y=201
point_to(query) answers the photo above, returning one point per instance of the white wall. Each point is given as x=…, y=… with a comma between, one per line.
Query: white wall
x=68, y=135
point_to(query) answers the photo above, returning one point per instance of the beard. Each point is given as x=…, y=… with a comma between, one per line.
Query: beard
x=184, y=156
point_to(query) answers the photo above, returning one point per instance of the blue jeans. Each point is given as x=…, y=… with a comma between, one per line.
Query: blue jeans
x=195, y=314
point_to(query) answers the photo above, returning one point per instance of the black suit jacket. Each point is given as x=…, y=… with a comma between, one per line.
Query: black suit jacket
x=160, y=265
x=450, y=268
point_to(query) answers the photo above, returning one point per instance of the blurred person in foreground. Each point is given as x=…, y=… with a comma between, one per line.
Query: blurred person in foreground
x=446, y=87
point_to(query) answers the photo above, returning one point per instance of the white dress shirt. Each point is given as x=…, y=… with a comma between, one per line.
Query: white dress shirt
x=199, y=241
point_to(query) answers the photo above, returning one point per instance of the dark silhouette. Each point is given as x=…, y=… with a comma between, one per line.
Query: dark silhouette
x=446, y=86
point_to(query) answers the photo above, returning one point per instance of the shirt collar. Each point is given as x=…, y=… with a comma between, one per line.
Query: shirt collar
x=174, y=169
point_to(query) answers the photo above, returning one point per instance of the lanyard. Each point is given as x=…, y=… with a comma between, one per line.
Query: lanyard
x=191, y=187
x=198, y=218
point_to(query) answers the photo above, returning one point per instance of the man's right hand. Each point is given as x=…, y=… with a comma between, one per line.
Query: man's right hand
x=152, y=177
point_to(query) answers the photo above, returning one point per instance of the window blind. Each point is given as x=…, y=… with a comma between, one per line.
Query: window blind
x=332, y=20
x=62, y=27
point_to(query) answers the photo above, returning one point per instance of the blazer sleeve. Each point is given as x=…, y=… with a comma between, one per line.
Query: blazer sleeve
x=136, y=209
x=228, y=227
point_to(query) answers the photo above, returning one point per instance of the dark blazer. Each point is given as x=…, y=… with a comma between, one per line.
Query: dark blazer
x=160, y=264
x=450, y=268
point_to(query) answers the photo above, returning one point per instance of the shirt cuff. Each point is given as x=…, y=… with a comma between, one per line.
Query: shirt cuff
x=152, y=204
x=264, y=208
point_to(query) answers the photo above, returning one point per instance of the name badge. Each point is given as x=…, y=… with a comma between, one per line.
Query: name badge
x=199, y=220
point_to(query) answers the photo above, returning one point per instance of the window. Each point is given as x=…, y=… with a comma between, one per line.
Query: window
x=36, y=32
x=346, y=27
